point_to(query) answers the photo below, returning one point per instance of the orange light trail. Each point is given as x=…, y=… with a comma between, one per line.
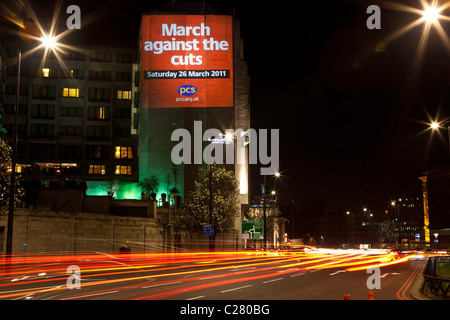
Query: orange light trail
x=187, y=267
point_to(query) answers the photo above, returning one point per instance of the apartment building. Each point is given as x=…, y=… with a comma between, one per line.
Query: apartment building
x=76, y=117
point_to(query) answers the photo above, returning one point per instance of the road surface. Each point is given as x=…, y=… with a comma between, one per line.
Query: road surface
x=317, y=275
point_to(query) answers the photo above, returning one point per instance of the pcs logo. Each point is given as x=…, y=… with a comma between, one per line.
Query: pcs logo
x=187, y=90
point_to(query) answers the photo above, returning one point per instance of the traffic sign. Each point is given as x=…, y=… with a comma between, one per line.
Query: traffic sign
x=208, y=229
x=253, y=229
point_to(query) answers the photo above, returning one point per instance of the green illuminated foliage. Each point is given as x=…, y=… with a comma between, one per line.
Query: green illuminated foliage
x=149, y=185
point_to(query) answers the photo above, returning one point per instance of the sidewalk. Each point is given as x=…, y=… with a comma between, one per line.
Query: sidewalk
x=416, y=289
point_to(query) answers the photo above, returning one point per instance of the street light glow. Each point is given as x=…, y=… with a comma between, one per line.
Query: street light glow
x=48, y=41
x=431, y=14
x=434, y=125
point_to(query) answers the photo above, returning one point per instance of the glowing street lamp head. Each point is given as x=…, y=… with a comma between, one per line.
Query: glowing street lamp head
x=49, y=41
x=431, y=14
x=434, y=125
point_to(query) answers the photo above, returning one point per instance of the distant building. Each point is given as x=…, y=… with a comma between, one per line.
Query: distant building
x=407, y=214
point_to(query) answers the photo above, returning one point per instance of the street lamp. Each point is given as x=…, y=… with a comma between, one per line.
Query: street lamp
x=276, y=174
x=431, y=13
x=50, y=43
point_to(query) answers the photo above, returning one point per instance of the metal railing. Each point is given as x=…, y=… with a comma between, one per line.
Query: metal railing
x=435, y=283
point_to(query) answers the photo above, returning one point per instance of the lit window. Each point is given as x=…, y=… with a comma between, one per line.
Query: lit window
x=123, y=170
x=123, y=94
x=45, y=72
x=97, y=169
x=101, y=113
x=71, y=92
x=123, y=152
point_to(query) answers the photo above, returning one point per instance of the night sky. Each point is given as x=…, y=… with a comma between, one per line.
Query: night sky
x=351, y=107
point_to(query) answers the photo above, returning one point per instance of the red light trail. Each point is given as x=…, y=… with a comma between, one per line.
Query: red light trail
x=34, y=274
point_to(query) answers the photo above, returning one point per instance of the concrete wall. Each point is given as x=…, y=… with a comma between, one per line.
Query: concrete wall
x=36, y=231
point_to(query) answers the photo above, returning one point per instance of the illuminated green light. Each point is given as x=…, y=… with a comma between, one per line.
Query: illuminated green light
x=127, y=190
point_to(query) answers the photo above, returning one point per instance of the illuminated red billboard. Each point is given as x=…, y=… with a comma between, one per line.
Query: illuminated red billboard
x=187, y=61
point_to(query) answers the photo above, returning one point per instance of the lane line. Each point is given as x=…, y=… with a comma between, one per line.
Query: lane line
x=160, y=285
x=90, y=295
x=401, y=293
x=278, y=279
x=335, y=273
x=243, y=287
x=296, y=275
x=212, y=277
x=243, y=268
x=194, y=298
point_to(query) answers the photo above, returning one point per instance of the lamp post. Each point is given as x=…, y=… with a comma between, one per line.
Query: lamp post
x=350, y=231
x=50, y=43
x=277, y=174
x=397, y=220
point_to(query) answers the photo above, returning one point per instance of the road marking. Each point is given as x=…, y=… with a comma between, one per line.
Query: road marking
x=26, y=290
x=162, y=284
x=401, y=294
x=18, y=279
x=193, y=298
x=334, y=273
x=292, y=269
x=90, y=295
x=296, y=275
x=243, y=268
x=386, y=274
x=278, y=279
x=250, y=285
x=212, y=277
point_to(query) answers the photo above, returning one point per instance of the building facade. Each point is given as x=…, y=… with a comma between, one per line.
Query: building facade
x=74, y=120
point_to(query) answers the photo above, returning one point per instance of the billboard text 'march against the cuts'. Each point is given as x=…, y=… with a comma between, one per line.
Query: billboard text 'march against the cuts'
x=187, y=61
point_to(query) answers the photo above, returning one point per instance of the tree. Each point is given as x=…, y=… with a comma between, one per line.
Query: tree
x=385, y=231
x=5, y=178
x=223, y=203
x=149, y=185
x=111, y=187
